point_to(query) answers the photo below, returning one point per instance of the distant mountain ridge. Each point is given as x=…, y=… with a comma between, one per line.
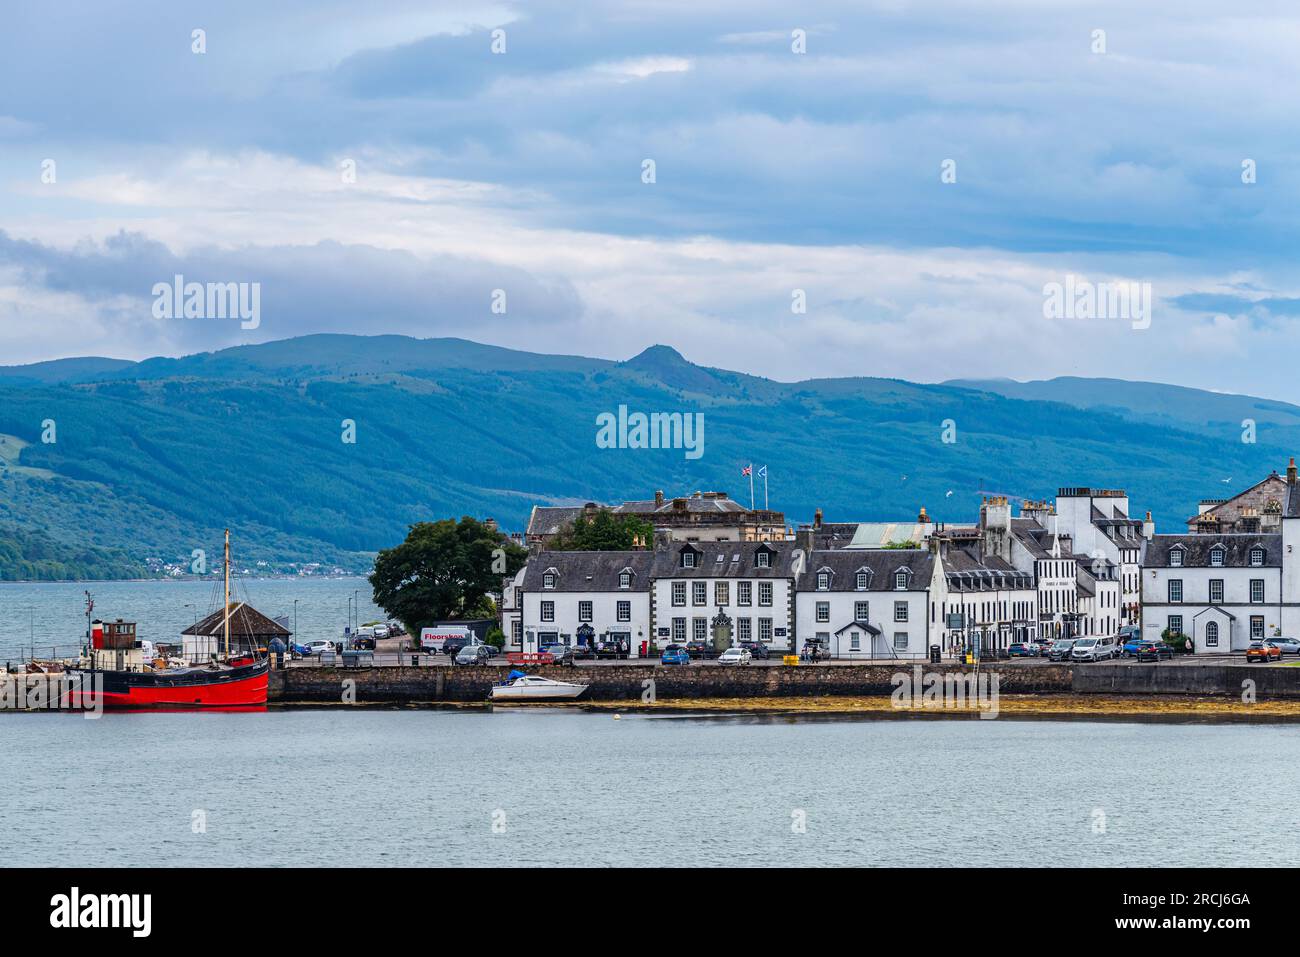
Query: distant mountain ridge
x=154, y=458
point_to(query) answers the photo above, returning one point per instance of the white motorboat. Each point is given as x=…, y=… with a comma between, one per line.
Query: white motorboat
x=521, y=687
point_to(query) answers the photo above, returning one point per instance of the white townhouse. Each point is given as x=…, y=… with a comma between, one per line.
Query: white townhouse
x=1101, y=599
x=866, y=603
x=1098, y=524
x=746, y=589
x=984, y=599
x=1220, y=590
x=576, y=598
x=512, y=609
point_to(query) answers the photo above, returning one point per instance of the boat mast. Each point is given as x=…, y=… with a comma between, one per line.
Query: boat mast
x=226, y=623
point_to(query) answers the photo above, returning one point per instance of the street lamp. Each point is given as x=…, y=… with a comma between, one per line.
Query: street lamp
x=295, y=618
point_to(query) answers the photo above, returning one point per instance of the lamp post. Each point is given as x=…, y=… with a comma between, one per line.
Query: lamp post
x=295, y=618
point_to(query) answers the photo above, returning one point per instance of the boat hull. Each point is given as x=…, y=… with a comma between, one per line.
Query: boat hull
x=537, y=693
x=241, y=687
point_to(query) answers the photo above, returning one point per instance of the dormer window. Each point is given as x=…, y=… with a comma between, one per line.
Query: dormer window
x=763, y=559
x=1176, y=557
x=548, y=579
x=1216, y=556
x=860, y=583
x=1257, y=556
x=900, y=580
x=624, y=579
x=823, y=581
x=688, y=559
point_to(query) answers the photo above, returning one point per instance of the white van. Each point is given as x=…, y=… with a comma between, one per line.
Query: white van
x=432, y=639
x=1094, y=649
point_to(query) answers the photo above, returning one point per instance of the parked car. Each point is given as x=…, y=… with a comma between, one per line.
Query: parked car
x=814, y=650
x=560, y=653
x=363, y=643
x=735, y=655
x=1044, y=645
x=1288, y=646
x=452, y=645
x=701, y=649
x=299, y=651
x=611, y=648
x=1153, y=651
x=584, y=651
x=1093, y=649
x=474, y=655
x=1263, y=651
x=317, y=647
x=757, y=649
x=1060, y=650
x=380, y=631
x=1132, y=642
x=675, y=655
x=1022, y=649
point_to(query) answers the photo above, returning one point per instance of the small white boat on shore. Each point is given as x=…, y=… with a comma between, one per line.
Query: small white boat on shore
x=522, y=687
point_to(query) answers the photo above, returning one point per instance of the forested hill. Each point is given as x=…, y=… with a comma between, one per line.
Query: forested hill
x=151, y=460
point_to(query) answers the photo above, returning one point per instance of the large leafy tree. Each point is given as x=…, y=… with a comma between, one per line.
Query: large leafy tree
x=603, y=532
x=444, y=570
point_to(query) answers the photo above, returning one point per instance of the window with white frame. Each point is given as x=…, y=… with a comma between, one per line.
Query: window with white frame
x=1175, y=624
x=679, y=630
x=744, y=593
x=1216, y=557
x=679, y=593
x=765, y=593
x=823, y=611
x=1257, y=626
x=1176, y=558
x=688, y=559
x=548, y=611
x=855, y=641
x=548, y=580
x=1256, y=590
x=721, y=593
x=765, y=630
x=1175, y=589
x=1216, y=591
x=1257, y=556
x=823, y=581
x=900, y=641
x=700, y=629
x=699, y=593
x=900, y=581
x=1212, y=634
x=624, y=611
x=900, y=611
x=860, y=583
x=584, y=611
x=624, y=579
x=763, y=558
x=744, y=629
x=860, y=609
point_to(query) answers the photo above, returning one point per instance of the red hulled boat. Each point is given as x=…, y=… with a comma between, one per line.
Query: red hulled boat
x=238, y=681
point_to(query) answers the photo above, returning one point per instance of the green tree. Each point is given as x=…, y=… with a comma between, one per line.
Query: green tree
x=603, y=532
x=443, y=571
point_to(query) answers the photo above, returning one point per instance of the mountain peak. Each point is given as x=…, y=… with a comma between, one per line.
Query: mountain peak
x=658, y=357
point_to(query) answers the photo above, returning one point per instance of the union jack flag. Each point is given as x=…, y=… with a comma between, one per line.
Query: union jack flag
x=746, y=470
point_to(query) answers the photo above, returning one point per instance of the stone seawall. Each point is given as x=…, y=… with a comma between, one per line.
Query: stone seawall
x=627, y=682
x=404, y=685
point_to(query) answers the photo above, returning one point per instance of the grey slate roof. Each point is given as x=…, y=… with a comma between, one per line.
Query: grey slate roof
x=737, y=560
x=882, y=563
x=589, y=571
x=1196, y=549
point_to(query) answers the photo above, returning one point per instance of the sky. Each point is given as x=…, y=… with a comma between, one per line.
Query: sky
x=849, y=188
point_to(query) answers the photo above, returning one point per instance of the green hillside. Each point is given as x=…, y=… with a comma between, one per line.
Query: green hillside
x=154, y=459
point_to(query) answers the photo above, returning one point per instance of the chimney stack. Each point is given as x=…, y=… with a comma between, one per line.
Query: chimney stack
x=923, y=519
x=1148, y=527
x=659, y=497
x=817, y=518
x=803, y=539
x=1291, y=472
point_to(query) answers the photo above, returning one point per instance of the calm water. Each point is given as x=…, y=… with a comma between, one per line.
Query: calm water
x=55, y=613
x=338, y=787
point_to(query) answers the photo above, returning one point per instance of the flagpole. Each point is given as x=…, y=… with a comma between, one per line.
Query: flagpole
x=751, y=486
x=765, y=488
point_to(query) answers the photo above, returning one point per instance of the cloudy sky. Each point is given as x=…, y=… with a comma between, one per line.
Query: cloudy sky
x=127, y=158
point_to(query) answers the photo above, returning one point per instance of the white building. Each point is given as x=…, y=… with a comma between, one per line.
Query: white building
x=1219, y=590
x=744, y=588
x=866, y=603
x=575, y=598
x=1098, y=524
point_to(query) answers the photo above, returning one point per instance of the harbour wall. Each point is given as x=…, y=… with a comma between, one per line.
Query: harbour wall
x=628, y=682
